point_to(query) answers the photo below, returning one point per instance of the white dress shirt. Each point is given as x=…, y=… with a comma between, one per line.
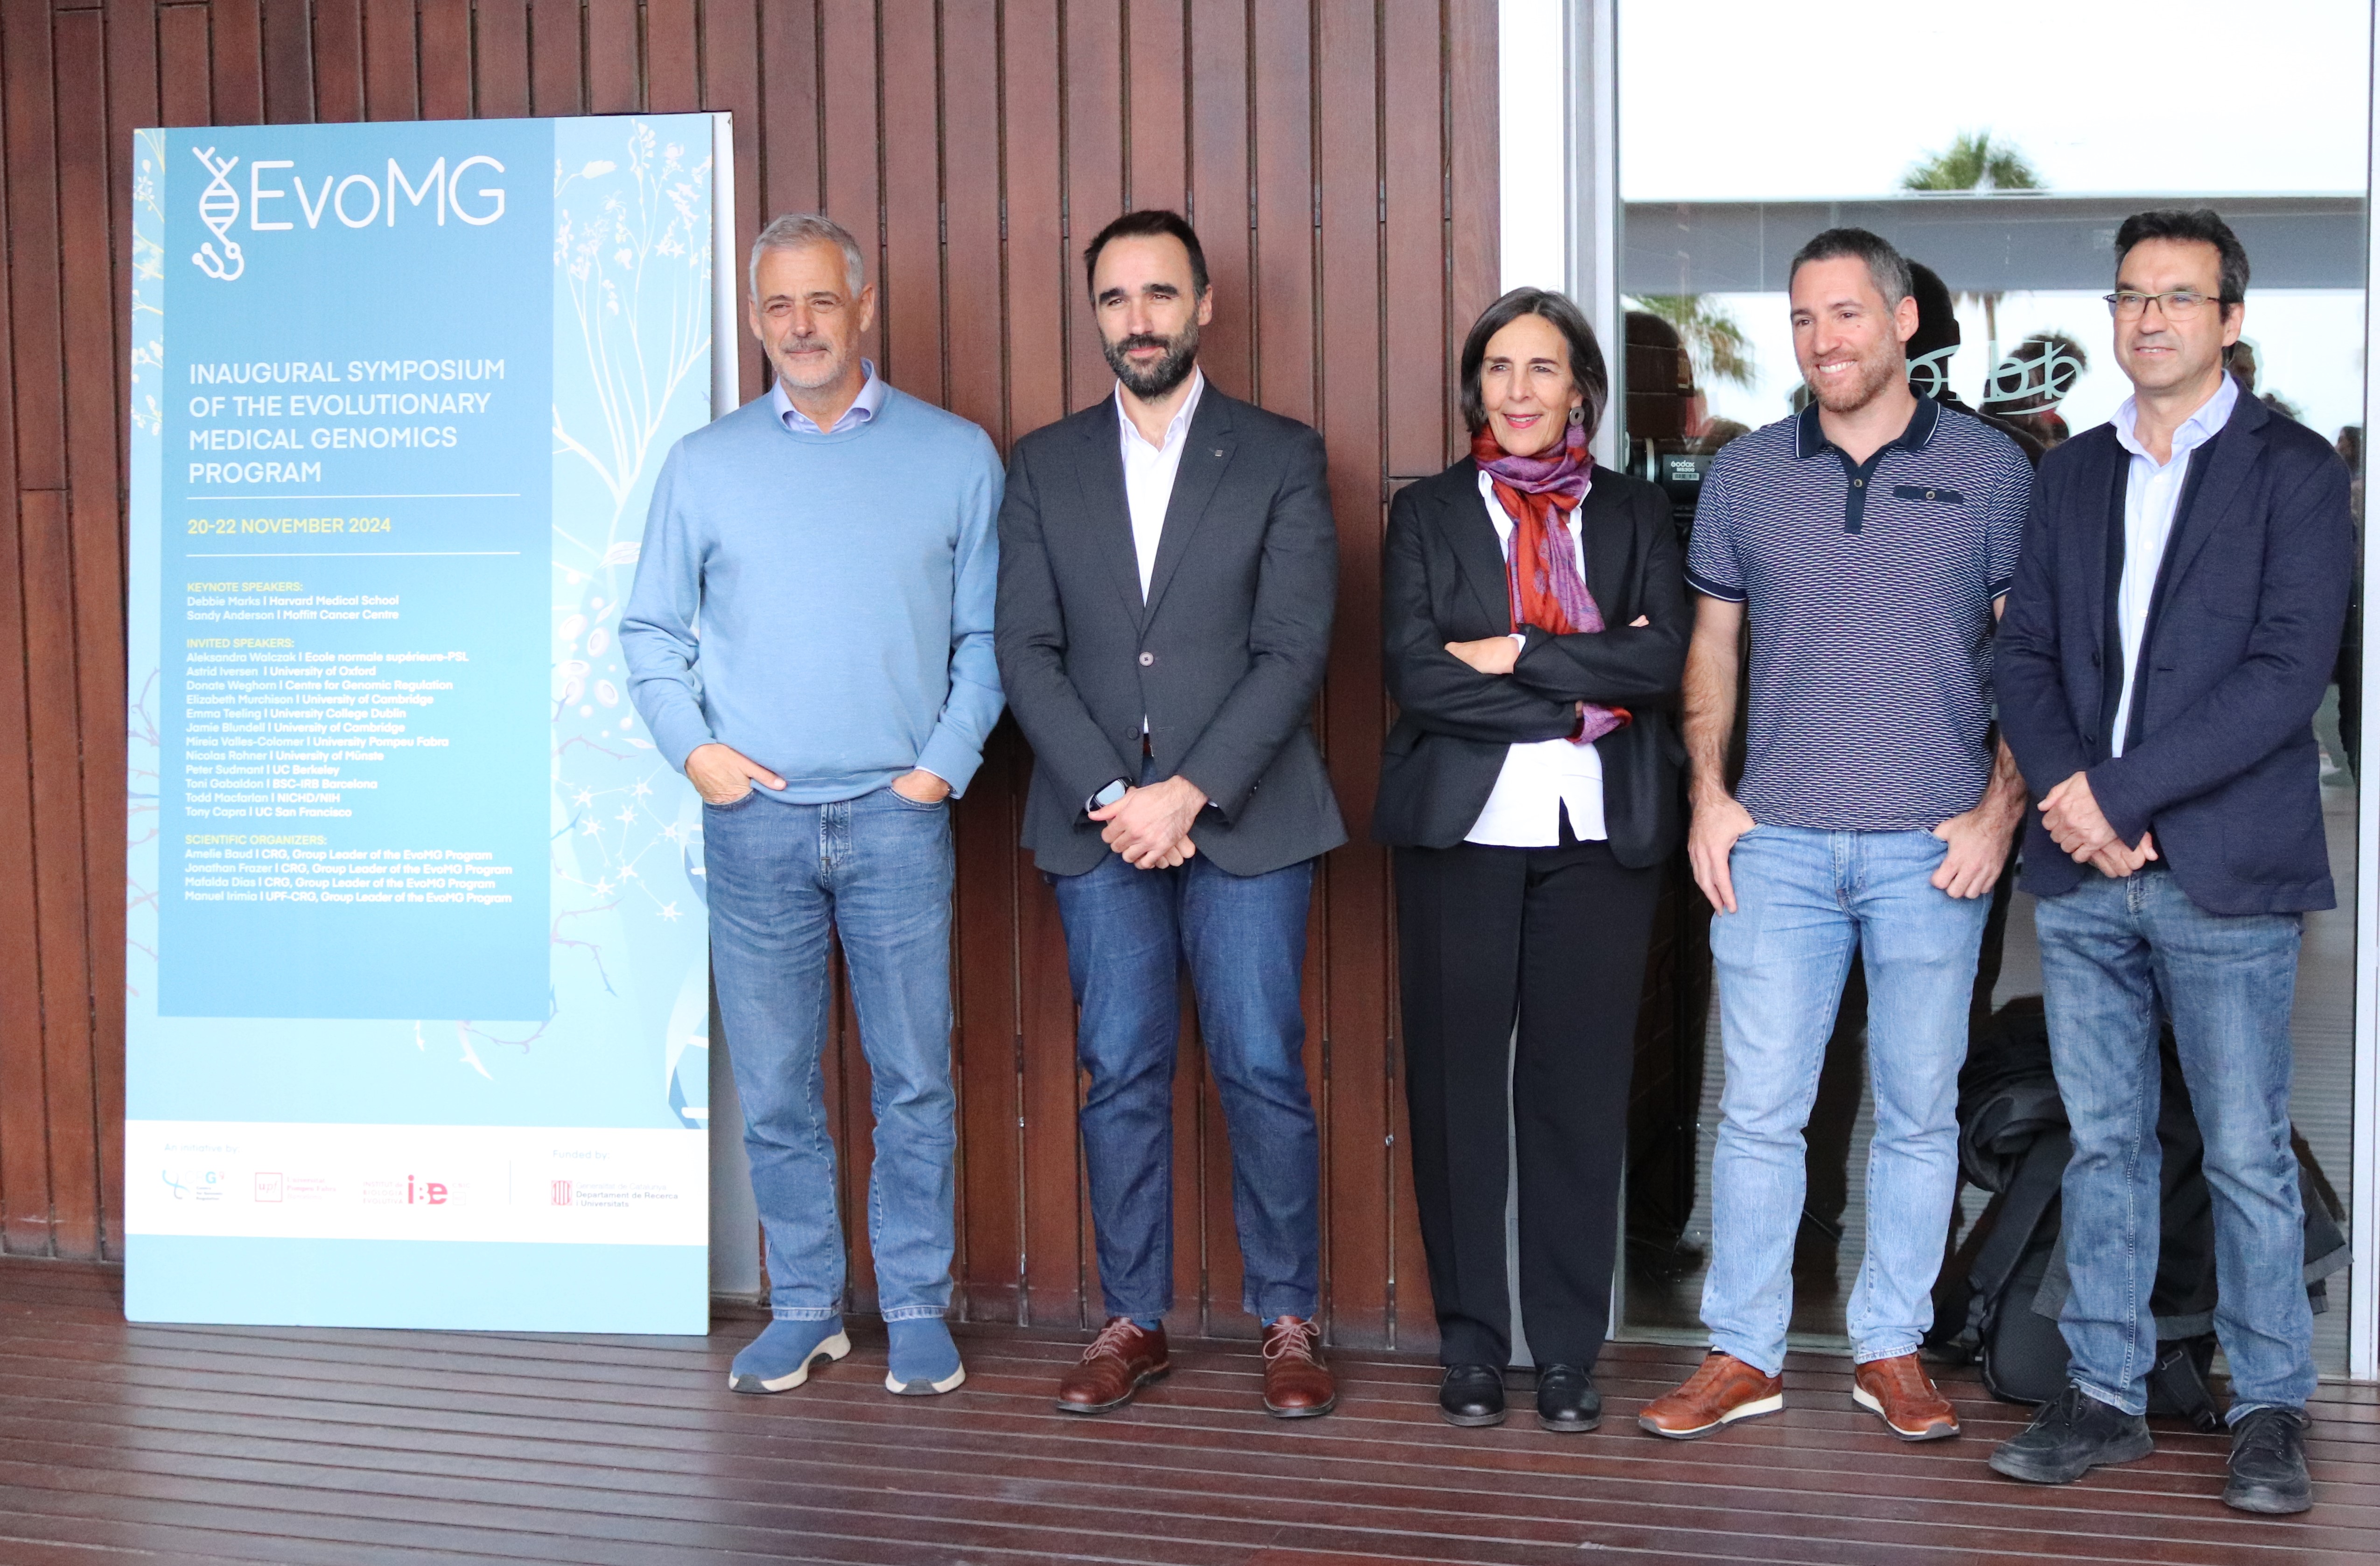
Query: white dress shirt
x=1539, y=778
x=1149, y=474
x=863, y=406
x=2151, y=493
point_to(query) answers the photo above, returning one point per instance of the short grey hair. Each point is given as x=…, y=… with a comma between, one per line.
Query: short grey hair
x=793, y=230
x=1887, y=267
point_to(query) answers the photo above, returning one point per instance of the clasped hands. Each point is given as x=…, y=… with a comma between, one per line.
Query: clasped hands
x=1150, y=825
x=2077, y=826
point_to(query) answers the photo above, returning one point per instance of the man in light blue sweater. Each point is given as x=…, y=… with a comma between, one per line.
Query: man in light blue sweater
x=835, y=542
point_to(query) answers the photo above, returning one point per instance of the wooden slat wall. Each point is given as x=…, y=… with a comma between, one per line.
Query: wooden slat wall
x=1338, y=157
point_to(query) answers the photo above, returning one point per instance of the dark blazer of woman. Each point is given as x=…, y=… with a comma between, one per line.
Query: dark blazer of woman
x=1443, y=580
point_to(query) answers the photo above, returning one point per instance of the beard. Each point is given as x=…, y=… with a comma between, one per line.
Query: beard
x=1876, y=372
x=810, y=381
x=1167, y=372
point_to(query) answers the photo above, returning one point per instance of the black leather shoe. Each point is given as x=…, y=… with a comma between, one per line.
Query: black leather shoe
x=1566, y=1400
x=1472, y=1396
x=2268, y=1466
x=2071, y=1435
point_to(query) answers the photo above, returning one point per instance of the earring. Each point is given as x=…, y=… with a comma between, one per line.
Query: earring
x=1578, y=415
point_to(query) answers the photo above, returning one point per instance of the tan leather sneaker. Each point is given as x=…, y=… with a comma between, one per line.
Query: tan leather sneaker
x=1899, y=1391
x=1724, y=1390
x=1121, y=1360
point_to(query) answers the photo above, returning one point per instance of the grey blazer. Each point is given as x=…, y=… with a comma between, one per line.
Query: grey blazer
x=1224, y=657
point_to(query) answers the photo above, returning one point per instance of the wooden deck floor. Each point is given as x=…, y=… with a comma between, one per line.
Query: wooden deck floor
x=329, y=1448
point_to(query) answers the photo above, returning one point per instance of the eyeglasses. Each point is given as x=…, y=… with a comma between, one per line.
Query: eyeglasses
x=2179, y=304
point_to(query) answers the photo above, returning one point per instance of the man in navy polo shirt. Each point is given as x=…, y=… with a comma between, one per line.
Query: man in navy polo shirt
x=1870, y=540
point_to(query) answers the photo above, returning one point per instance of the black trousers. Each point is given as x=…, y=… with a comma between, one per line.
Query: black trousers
x=1558, y=937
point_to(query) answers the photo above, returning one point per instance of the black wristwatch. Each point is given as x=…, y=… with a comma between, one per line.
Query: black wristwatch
x=1114, y=791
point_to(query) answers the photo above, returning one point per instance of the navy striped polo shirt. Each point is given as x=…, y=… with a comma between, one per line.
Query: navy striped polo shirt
x=1869, y=588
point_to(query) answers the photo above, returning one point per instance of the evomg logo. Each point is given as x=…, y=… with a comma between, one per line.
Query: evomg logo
x=359, y=201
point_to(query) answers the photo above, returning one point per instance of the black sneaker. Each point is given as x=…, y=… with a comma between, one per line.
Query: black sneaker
x=1566, y=1400
x=2268, y=1466
x=2071, y=1435
x=1472, y=1396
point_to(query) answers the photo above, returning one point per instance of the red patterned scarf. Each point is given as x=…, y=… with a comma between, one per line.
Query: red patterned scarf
x=1542, y=495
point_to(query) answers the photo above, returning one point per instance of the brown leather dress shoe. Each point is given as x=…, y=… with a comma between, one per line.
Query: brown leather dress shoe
x=1724, y=1390
x=1899, y=1391
x=1121, y=1360
x=1296, y=1384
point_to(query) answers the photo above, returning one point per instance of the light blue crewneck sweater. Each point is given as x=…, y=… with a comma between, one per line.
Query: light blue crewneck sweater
x=842, y=586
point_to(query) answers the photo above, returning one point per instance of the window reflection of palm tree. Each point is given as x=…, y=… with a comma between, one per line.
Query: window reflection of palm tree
x=1714, y=341
x=1671, y=341
x=1976, y=160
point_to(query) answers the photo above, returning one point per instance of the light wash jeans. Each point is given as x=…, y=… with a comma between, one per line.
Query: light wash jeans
x=876, y=871
x=2109, y=951
x=1805, y=901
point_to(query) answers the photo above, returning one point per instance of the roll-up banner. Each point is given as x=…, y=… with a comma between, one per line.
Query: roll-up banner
x=416, y=1003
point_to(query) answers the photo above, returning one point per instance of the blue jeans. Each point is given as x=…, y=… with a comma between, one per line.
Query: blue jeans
x=876, y=871
x=1128, y=933
x=1805, y=901
x=2110, y=951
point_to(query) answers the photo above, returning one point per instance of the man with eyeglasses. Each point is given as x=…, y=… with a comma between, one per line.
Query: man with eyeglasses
x=2171, y=630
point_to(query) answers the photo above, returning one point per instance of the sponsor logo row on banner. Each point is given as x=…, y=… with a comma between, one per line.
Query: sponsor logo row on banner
x=336, y=1182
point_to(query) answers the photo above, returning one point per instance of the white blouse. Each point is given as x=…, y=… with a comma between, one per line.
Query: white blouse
x=1540, y=777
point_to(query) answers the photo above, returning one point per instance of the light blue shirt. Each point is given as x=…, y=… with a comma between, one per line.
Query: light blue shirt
x=2151, y=493
x=822, y=602
x=863, y=406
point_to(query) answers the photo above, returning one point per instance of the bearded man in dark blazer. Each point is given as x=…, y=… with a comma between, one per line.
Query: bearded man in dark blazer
x=1168, y=573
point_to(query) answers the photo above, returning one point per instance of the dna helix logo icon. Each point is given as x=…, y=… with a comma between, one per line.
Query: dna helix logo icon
x=219, y=208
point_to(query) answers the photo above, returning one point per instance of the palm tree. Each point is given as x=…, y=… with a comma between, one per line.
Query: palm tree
x=1714, y=341
x=1976, y=160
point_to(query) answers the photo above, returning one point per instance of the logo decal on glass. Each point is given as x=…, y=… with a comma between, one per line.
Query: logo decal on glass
x=1929, y=373
x=2040, y=379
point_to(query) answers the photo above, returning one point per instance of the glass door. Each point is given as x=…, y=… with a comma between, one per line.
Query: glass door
x=1999, y=151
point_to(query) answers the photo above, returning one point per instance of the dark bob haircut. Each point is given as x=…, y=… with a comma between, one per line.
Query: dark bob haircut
x=2199, y=223
x=1586, y=368
x=1148, y=224
x=1886, y=266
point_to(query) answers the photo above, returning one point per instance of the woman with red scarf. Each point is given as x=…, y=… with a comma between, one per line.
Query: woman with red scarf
x=1535, y=620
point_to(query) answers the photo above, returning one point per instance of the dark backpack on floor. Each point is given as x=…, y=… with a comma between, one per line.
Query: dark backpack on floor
x=2001, y=1290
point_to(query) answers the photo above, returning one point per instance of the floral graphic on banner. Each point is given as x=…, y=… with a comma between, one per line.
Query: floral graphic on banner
x=632, y=353
x=143, y=743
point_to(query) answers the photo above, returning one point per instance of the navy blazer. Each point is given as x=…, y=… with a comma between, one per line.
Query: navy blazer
x=2242, y=633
